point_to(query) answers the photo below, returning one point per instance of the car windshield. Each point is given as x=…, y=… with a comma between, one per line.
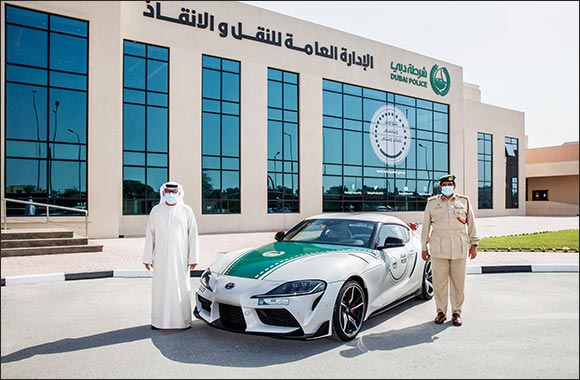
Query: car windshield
x=356, y=233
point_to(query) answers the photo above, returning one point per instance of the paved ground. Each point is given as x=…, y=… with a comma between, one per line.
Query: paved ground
x=125, y=255
x=515, y=326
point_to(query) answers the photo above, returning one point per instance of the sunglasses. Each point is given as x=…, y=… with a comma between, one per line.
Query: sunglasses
x=172, y=191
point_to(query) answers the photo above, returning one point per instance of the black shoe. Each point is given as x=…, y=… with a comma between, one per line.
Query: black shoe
x=155, y=328
x=440, y=318
x=456, y=319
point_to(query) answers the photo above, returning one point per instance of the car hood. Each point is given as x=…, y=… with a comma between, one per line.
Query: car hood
x=292, y=260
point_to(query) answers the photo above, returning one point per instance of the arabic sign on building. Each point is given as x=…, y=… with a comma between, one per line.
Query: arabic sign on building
x=204, y=20
x=439, y=77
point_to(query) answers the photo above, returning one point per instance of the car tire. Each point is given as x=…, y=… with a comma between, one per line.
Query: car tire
x=427, y=281
x=349, y=311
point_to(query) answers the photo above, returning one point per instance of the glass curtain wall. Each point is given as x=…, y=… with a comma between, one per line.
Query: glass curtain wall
x=511, y=172
x=283, y=124
x=220, y=135
x=485, y=170
x=381, y=151
x=145, y=125
x=46, y=101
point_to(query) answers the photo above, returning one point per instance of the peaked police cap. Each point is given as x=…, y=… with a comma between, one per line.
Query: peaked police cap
x=447, y=178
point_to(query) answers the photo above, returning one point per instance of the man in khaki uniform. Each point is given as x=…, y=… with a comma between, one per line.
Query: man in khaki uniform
x=448, y=236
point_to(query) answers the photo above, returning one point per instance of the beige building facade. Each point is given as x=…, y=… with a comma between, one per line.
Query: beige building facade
x=552, y=180
x=438, y=123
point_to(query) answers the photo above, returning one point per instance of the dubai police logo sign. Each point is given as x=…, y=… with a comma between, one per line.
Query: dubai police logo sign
x=440, y=80
x=390, y=134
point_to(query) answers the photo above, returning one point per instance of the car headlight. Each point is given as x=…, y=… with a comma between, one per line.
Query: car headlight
x=295, y=288
x=204, y=279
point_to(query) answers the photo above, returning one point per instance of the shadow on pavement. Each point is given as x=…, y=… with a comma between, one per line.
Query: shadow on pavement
x=204, y=344
x=83, y=343
x=394, y=339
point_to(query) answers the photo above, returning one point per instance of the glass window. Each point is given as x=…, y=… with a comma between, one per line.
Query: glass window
x=145, y=125
x=133, y=127
x=230, y=87
x=46, y=120
x=511, y=172
x=484, y=170
x=134, y=72
x=134, y=48
x=26, y=17
x=352, y=107
x=332, y=104
x=64, y=53
x=71, y=81
x=26, y=46
x=157, y=52
x=220, y=136
x=371, y=156
x=283, y=163
x=424, y=120
x=68, y=25
x=26, y=74
x=157, y=74
x=352, y=148
x=440, y=122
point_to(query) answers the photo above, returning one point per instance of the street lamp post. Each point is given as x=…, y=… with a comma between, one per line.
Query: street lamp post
x=426, y=167
x=37, y=142
x=78, y=157
x=275, y=169
x=51, y=150
x=291, y=162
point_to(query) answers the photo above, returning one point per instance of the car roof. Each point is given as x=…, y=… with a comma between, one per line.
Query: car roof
x=366, y=216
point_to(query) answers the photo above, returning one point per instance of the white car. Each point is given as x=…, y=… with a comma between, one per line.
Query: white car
x=322, y=278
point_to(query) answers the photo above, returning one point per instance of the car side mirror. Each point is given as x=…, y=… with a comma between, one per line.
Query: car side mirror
x=392, y=242
x=279, y=235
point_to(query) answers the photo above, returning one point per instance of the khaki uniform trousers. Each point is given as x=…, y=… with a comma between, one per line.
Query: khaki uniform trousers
x=449, y=275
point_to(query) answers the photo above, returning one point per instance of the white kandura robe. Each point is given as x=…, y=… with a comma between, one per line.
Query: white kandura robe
x=171, y=244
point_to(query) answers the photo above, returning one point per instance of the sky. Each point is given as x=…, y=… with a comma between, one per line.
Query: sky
x=523, y=55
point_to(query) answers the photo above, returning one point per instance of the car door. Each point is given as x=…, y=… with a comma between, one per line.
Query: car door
x=399, y=260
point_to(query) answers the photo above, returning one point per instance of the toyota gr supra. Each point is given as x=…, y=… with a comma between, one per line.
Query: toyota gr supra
x=322, y=278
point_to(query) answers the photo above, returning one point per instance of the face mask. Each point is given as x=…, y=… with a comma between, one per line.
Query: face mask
x=447, y=190
x=170, y=198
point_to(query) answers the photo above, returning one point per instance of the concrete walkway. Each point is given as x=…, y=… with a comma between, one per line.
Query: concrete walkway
x=123, y=257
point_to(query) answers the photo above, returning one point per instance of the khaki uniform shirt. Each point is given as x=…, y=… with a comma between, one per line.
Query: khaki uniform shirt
x=448, y=227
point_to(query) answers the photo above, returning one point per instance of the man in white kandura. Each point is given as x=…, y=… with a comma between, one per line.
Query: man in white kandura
x=172, y=250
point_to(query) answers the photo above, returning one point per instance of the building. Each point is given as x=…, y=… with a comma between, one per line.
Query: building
x=264, y=118
x=552, y=180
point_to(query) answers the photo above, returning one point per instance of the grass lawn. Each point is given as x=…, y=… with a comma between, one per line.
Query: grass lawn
x=564, y=240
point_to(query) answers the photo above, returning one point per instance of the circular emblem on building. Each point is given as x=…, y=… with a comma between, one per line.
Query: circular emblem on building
x=390, y=134
x=273, y=253
x=440, y=80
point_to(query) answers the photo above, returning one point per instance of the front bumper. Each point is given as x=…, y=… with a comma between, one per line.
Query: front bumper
x=306, y=316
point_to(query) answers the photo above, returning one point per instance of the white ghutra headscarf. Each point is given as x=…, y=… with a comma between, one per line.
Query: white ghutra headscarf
x=171, y=185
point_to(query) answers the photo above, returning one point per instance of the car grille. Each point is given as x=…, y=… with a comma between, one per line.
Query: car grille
x=277, y=317
x=205, y=303
x=232, y=317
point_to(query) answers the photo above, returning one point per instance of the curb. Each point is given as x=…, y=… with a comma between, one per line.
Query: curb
x=142, y=273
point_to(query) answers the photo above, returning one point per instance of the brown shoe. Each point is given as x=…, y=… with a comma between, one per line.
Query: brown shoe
x=440, y=318
x=456, y=319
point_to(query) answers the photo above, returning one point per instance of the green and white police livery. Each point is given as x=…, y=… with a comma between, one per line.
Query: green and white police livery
x=322, y=278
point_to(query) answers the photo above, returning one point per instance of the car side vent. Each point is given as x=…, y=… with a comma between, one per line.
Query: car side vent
x=316, y=301
x=205, y=303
